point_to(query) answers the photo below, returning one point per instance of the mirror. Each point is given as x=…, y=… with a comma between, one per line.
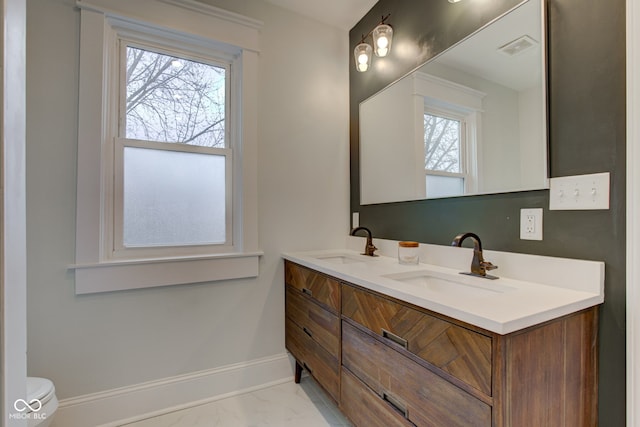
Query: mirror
x=470, y=121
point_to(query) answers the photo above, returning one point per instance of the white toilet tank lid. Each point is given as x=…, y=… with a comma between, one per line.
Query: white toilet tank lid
x=39, y=388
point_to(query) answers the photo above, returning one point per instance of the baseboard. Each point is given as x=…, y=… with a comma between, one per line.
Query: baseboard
x=132, y=403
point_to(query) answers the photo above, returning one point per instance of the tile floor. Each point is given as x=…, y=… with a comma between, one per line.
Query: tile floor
x=284, y=405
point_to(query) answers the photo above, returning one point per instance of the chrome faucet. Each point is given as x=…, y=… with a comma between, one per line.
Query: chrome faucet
x=369, y=247
x=479, y=266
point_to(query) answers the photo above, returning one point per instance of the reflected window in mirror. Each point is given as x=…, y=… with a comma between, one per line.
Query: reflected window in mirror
x=450, y=124
x=445, y=160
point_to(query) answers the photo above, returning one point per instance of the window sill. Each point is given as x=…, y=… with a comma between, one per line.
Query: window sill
x=120, y=275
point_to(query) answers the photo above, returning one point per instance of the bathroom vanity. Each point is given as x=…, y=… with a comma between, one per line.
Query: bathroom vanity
x=392, y=347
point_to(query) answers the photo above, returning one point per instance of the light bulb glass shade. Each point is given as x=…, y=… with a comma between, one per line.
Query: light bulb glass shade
x=362, y=55
x=382, y=36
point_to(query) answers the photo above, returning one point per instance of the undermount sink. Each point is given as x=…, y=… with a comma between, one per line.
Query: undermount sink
x=440, y=282
x=339, y=258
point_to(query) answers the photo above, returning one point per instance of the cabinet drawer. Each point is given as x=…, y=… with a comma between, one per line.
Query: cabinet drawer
x=321, y=325
x=322, y=365
x=322, y=288
x=427, y=399
x=365, y=408
x=463, y=353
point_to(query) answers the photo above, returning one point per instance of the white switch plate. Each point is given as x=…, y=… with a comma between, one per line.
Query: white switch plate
x=581, y=192
x=531, y=224
x=355, y=219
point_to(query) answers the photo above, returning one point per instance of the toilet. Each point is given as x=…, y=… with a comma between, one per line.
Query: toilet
x=42, y=389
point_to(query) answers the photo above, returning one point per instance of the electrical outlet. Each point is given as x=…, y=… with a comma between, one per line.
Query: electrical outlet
x=531, y=224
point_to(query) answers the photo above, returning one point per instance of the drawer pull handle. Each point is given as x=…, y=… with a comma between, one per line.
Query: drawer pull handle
x=307, y=291
x=308, y=332
x=395, y=403
x=395, y=338
x=304, y=364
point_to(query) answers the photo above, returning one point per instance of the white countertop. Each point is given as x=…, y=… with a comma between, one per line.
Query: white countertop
x=558, y=287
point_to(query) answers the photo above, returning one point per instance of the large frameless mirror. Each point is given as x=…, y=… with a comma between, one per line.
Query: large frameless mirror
x=471, y=121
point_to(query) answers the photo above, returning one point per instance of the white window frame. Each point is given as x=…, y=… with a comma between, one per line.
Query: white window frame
x=172, y=24
x=450, y=99
x=113, y=241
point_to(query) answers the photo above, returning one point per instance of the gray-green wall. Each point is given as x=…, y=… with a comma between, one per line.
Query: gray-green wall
x=586, y=78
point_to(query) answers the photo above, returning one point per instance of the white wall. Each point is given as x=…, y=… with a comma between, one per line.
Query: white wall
x=98, y=342
x=13, y=344
x=390, y=168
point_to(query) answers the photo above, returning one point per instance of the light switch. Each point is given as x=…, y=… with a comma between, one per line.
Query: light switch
x=355, y=219
x=580, y=192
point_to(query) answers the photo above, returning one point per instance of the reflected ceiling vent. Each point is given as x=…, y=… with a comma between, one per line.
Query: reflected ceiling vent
x=518, y=46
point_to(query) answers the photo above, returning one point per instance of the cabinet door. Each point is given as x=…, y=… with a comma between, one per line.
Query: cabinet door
x=460, y=352
x=425, y=398
x=365, y=408
x=321, y=288
x=320, y=324
x=320, y=364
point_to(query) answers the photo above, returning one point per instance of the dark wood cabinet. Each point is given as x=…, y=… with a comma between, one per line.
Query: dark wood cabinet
x=419, y=395
x=321, y=288
x=312, y=328
x=456, y=350
x=366, y=408
x=387, y=362
x=318, y=323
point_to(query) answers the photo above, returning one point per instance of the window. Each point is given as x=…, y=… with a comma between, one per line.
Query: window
x=166, y=146
x=445, y=159
x=173, y=157
x=450, y=116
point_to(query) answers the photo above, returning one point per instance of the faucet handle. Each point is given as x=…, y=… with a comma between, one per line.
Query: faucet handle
x=370, y=249
x=488, y=265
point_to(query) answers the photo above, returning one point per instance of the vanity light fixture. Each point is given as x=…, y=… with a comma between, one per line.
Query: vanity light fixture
x=362, y=53
x=454, y=1
x=382, y=36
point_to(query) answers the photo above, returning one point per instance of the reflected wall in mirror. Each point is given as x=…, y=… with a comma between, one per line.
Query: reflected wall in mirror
x=470, y=121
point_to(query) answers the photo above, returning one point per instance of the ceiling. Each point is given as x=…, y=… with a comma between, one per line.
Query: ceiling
x=343, y=14
x=480, y=55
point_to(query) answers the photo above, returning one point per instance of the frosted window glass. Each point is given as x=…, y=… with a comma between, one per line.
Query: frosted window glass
x=173, y=198
x=444, y=186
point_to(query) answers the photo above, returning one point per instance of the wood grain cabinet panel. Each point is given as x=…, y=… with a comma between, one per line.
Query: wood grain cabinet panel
x=422, y=396
x=312, y=325
x=463, y=353
x=320, y=324
x=365, y=408
x=550, y=374
x=323, y=366
x=320, y=287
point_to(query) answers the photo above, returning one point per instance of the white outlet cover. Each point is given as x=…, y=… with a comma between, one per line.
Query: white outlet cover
x=536, y=215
